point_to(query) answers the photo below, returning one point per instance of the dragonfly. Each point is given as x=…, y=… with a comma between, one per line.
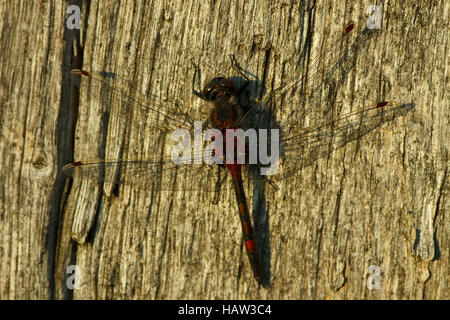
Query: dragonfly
x=299, y=145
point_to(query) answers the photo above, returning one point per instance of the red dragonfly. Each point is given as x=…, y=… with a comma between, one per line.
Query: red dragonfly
x=299, y=145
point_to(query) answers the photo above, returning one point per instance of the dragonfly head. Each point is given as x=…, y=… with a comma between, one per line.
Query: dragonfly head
x=219, y=86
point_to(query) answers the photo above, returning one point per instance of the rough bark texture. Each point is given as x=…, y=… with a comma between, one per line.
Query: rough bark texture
x=380, y=200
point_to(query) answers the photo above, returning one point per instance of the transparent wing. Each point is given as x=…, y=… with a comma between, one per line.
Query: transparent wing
x=314, y=76
x=301, y=147
x=151, y=174
x=159, y=171
x=337, y=63
x=159, y=112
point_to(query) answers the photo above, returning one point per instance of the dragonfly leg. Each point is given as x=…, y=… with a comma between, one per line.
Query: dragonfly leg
x=197, y=78
x=273, y=184
x=205, y=125
x=219, y=184
x=235, y=65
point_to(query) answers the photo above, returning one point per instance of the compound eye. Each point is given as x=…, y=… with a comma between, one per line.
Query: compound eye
x=228, y=85
x=219, y=86
x=210, y=89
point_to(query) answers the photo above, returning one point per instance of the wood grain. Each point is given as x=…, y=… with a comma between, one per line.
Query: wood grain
x=380, y=200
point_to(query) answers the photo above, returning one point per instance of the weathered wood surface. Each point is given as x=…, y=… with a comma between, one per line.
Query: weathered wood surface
x=381, y=200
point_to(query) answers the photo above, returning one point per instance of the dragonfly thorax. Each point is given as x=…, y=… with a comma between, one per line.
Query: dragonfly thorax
x=226, y=111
